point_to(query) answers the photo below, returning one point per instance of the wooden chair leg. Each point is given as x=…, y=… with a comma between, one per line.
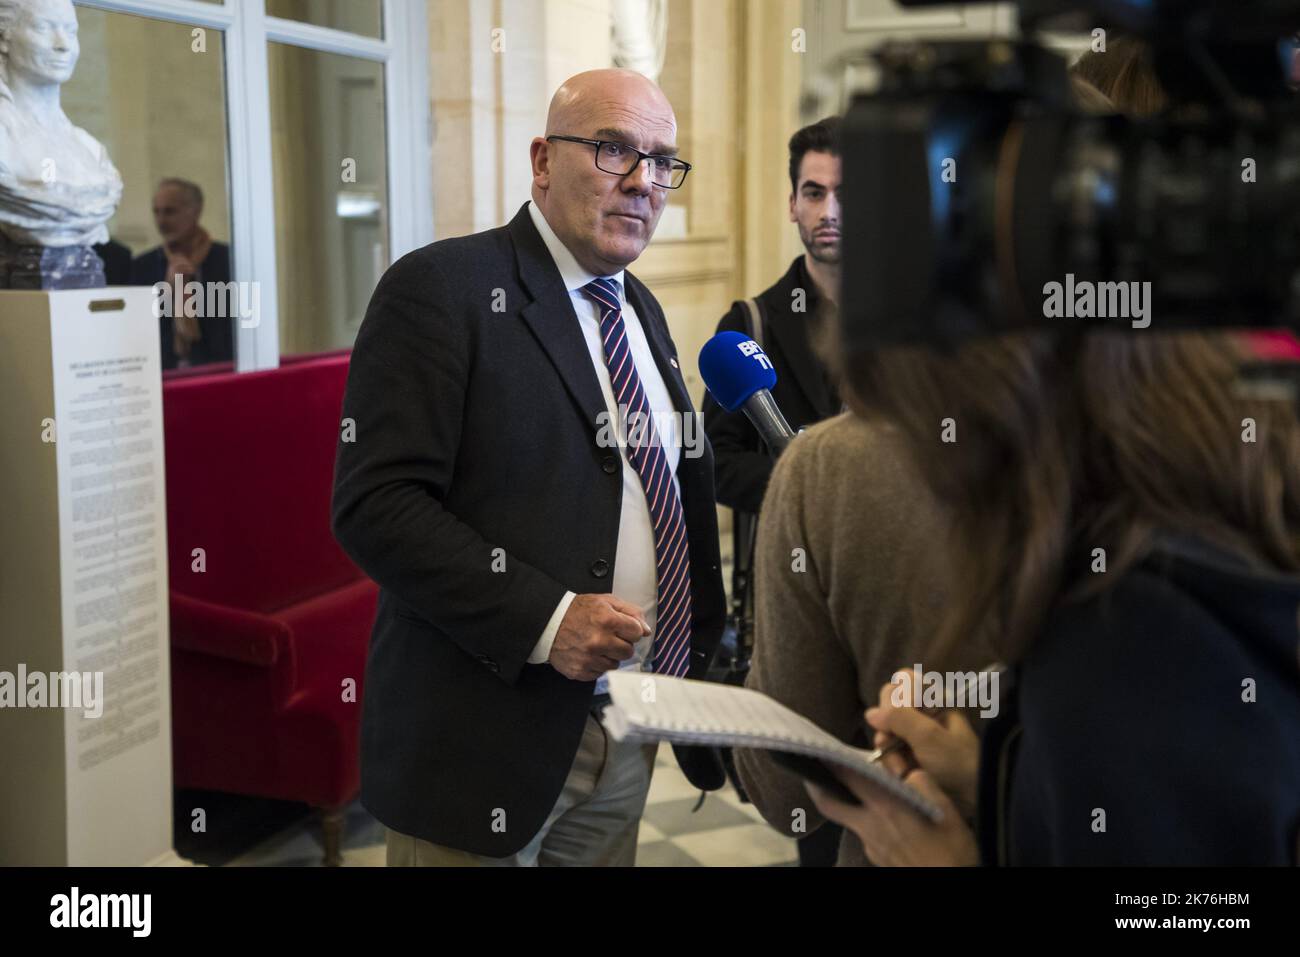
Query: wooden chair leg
x=331, y=822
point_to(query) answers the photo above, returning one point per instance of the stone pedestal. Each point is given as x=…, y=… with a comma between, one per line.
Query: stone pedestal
x=49, y=267
x=83, y=582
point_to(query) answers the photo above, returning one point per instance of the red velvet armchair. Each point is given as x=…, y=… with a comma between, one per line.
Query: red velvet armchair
x=270, y=620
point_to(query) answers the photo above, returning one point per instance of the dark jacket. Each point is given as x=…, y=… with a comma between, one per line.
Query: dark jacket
x=475, y=493
x=1131, y=704
x=217, y=343
x=803, y=391
x=117, y=262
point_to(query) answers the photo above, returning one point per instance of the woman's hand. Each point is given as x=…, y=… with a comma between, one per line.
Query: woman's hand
x=945, y=745
x=893, y=834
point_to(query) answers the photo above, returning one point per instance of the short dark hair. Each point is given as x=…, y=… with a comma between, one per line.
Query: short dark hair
x=822, y=137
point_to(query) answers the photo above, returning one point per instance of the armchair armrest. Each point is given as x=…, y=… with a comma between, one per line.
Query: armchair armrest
x=222, y=631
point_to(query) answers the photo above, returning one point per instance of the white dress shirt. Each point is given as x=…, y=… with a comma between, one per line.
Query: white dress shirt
x=634, y=560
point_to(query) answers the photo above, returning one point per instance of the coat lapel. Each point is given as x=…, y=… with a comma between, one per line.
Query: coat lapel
x=551, y=317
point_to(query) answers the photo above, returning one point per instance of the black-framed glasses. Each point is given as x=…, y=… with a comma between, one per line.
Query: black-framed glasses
x=621, y=159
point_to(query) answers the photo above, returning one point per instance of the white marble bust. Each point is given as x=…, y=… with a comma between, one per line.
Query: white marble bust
x=639, y=35
x=58, y=186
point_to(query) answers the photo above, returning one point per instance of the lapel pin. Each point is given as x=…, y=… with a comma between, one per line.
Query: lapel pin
x=673, y=363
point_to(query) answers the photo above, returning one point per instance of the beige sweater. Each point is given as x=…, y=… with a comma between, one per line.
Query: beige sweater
x=832, y=628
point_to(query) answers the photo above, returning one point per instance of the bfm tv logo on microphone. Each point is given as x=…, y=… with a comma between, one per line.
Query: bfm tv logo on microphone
x=754, y=351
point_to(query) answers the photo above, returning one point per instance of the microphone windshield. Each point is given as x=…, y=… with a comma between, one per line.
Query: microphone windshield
x=734, y=367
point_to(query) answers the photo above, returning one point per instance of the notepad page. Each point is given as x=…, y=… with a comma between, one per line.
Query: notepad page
x=654, y=707
x=706, y=708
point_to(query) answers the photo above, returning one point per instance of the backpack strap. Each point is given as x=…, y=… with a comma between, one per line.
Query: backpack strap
x=754, y=323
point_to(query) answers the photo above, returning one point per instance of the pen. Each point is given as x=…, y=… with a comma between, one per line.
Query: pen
x=898, y=743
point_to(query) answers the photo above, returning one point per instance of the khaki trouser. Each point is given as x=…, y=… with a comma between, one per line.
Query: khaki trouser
x=594, y=821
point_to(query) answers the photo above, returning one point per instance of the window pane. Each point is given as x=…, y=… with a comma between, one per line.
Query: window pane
x=153, y=93
x=330, y=164
x=354, y=16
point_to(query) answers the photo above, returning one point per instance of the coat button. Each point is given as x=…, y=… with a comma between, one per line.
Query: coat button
x=600, y=568
x=609, y=464
x=487, y=662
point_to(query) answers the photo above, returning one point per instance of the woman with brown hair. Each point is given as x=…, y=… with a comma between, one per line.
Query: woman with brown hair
x=1125, y=529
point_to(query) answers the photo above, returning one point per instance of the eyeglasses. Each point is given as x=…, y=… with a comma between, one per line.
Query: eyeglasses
x=621, y=159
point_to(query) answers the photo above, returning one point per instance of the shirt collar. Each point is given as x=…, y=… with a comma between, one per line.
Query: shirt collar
x=573, y=275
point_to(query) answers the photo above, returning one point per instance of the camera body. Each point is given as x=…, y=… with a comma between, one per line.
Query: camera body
x=979, y=198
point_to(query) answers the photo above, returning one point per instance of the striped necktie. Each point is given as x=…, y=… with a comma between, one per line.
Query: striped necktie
x=672, y=643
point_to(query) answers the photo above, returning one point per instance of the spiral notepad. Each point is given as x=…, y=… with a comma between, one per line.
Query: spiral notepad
x=648, y=707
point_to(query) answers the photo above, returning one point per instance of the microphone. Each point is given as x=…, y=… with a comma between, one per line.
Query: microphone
x=739, y=375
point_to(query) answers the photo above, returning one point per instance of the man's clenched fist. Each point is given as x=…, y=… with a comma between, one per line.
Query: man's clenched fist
x=598, y=631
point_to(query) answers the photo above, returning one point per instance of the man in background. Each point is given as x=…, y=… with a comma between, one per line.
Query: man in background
x=790, y=313
x=189, y=253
